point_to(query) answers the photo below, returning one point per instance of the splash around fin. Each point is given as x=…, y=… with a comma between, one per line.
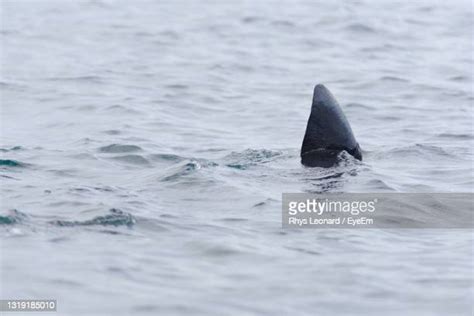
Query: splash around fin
x=328, y=132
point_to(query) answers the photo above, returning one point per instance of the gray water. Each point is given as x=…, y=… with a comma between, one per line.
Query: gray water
x=145, y=146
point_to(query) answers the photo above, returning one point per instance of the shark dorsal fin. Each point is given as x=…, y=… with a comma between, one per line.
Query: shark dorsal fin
x=328, y=130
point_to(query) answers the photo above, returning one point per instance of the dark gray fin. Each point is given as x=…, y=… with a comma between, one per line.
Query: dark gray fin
x=328, y=132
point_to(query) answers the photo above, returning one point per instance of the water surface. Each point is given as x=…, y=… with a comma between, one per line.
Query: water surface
x=145, y=146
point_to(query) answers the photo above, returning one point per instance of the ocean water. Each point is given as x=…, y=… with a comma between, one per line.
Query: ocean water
x=145, y=146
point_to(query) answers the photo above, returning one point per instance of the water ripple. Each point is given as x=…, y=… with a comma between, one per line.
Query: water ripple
x=13, y=217
x=180, y=170
x=115, y=218
x=119, y=148
x=12, y=163
x=132, y=159
x=250, y=157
